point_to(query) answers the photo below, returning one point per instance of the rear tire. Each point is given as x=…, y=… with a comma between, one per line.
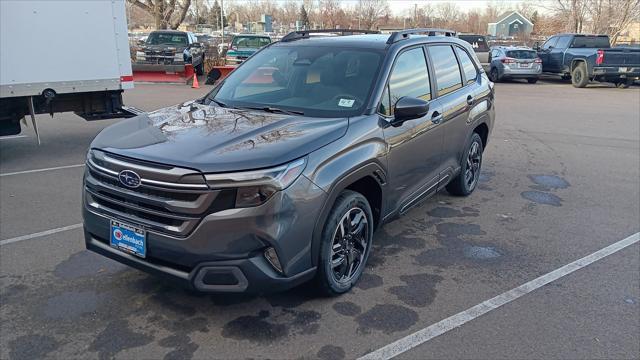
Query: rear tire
x=579, y=76
x=470, y=166
x=532, y=80
x=622, y=85
x=347, y=235
x=495, y=77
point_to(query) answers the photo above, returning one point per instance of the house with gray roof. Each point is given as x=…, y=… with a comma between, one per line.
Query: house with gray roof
x=510, y=24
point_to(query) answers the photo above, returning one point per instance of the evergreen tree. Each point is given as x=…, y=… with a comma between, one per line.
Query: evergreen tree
x=304, y=17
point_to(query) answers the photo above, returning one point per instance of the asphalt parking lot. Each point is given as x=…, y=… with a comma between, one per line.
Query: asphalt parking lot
x=560, y=182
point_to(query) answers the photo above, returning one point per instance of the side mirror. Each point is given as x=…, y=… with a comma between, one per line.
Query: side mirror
x=140, y=42
x=409, y=108
x=536, y=46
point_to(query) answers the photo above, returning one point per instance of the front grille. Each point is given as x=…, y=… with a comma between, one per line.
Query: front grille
x=169, y=200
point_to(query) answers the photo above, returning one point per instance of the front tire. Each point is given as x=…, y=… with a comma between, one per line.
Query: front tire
x=622, y=84
x=467, y=179
x=346, y=242
x=579, y=76
x=532, y=80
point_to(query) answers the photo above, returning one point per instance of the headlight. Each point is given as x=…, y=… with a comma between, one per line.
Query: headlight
x=257, y=186
x=178, y=57
x=140, y=55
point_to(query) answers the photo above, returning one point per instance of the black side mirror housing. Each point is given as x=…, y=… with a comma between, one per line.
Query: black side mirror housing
x=536, y=46
x=409, y=108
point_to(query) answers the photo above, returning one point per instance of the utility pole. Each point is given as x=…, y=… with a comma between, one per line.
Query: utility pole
x=197, y=18
x=415, y=15
x=222, y=20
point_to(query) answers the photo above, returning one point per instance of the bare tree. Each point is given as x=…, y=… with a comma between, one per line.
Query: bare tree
x=370, y=11
x=612, y=17
x=574, y=10
x=448, y=14
x=164, y=11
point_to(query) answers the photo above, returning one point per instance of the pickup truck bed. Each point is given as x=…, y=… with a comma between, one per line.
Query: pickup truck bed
x=589, y=57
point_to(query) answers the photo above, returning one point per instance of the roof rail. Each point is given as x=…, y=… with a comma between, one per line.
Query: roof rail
x=304, y=34
x=404, y=34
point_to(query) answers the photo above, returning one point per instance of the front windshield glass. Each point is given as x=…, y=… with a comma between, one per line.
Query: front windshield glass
x=250, y=42
x=318, y=81
x=167, y=39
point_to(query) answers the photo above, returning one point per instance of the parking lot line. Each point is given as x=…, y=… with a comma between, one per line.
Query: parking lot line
x=40, y=170
x=410, y=341
x=39, y=234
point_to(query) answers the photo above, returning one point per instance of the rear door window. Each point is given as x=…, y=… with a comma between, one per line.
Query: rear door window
x=410, y=77
x=446, y=68
x=468, y=68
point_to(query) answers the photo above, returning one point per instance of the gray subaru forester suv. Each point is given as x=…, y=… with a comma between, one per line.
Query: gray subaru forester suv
x=284, y=170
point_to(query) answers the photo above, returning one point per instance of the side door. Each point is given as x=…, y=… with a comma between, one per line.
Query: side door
x=556, y=55
x=415, y=146
x=455, y=100
x=545, y=51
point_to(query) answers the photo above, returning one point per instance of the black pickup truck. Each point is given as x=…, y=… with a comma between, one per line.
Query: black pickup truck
x=589, y=57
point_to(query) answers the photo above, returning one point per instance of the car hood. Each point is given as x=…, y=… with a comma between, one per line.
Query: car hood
x=214, y=139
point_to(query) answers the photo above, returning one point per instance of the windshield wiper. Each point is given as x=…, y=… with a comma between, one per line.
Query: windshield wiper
x=219, y=103
x=274, y=110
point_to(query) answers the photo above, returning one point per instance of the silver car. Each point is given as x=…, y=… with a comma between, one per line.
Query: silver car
x=514, y=63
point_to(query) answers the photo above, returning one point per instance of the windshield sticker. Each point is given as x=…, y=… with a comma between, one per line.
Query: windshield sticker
x=346, y=102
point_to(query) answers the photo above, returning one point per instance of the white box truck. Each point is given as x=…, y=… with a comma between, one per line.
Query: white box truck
x=62, y=55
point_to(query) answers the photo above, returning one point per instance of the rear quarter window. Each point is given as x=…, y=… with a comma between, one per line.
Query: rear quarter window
x=468, y=68
x=591, y=42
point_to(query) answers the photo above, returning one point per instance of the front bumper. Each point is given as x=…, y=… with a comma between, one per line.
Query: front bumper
x=212, y=249
x=248, y=275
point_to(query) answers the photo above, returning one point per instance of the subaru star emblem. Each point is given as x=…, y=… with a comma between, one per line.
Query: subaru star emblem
x=129, y=178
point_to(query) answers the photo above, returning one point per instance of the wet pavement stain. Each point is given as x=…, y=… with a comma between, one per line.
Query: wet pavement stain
x=347, y=308
x=543, y=198
x=481, y=252
x=369, y=281
x=117, y=337
x=388, y=318
x=87, y=263
x=549, y=182
x=29, y=347
x=448, y=212
x=330, y=352
x=183, y=347
x=292, y=298
x=172, y=299
x=455, y=250
x=70, y=305
x=419, y=291
x=12, y=293
x=266, y=328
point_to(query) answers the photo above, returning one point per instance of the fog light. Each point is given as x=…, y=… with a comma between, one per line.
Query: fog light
x=272, y=258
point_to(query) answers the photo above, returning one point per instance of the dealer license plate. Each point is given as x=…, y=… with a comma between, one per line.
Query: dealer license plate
x=128, y=238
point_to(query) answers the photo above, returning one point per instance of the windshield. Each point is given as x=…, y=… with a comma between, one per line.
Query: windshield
x=318, y=81
x=167, y=39
x=591, y=42
x=253, y=42
x=522, y=54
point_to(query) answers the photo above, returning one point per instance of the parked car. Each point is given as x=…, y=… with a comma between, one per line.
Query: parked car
x=276, y=178
x=584, y=58
x=170, y=50
x=480, y=46
x=244, y=45
x=510, y=62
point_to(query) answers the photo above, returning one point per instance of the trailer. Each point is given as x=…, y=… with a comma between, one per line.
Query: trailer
x=63, y=55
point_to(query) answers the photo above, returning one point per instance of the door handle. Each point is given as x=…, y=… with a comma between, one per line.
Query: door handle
x=470, y=100
x=436, y=118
